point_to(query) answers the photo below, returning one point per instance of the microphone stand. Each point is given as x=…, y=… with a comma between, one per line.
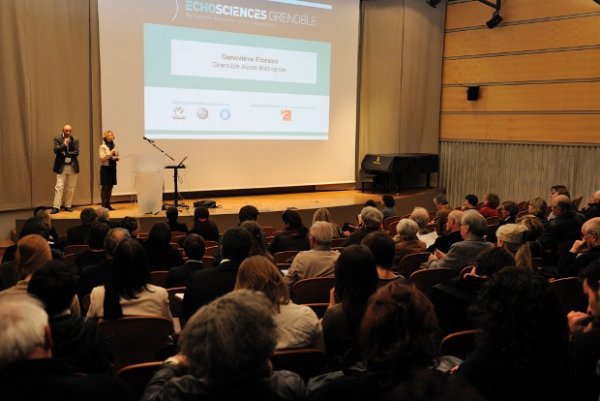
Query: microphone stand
x=151, y=142
x=175, y=175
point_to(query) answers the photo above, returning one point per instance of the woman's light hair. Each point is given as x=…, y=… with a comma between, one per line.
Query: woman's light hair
x=105, y=134
x=231, y=339
x=258, y=273
x=407, y=230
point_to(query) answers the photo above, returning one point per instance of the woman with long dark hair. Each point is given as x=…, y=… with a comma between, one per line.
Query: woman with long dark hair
x=293, y=236
x=109, y=156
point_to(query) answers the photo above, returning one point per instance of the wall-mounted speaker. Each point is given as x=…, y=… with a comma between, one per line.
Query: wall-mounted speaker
x=473, y=93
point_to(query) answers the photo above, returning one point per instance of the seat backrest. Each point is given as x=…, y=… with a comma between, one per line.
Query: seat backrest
x=307, y=362
x=136, y=339
x=75, y=249
x=159, y=277
x=312, y=290
x=285, y=256
x=269, y=231
x=390, y=224
x=209, y=243
x=424, y=279
x=570, y=294
x=576, y=202
x=459, y=344
x=338, y=242
x=211, y=251
x=138, y=376
x=411, y=263
x=175, y=301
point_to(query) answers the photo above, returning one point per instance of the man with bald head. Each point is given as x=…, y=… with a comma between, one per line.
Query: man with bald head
x=593, y=209
x=566, y=226
x=583, y=251
x=66, y=167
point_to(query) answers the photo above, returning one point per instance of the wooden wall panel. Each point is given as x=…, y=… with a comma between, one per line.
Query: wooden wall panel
x=473, y=13
x=552, y=34
x=557, y=97
x=563, y=65
x=557, y=128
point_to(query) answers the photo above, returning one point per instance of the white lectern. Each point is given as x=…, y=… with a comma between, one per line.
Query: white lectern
x=148, y=175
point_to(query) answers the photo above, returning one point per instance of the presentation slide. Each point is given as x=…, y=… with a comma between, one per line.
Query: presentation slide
x=254, y=93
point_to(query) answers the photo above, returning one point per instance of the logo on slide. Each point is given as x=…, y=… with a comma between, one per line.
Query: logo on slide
x=286, y=115
x=202, y=113
x=225, y=114
x=178, y=113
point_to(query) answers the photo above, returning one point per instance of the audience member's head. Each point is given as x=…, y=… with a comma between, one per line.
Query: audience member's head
x=24, y=331
x=388, y=201
x=420, y=215
x=591, y=283
x=292, y=220
x=454, y=221
x=32, y=253
x=534, y=225
x=248, y=212
x=490, y=261
x=321, y=235
x=113, y=237
x=259, y=241
x=129, y=272
x=194, y=246
x=258, y=273
x=382, y=247
x=513, y=238
x=159, y=236
x=87, y=216
x=34, y=225
x=102, y=214
x=509, y=209
x=371, y=217
x=355, y=280
x=556, y=190
x=132, y=225
x=172, y=213
x=591, y=232
x=55, y=284
x=231, y=339
x=491, y=200
x=322, y=214
x=471, y=201
x=440, y=201
x=537, y=207
x=407, y=230
x=201, y=214
x=561, y=205
x=236, y=244
x=96, y=235
x=473, y=223
x=44, y=216
x=595, y=198
x=371, y=203
x=399, y=331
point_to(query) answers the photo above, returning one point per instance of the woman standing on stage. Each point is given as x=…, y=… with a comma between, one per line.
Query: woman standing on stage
x=108, y=170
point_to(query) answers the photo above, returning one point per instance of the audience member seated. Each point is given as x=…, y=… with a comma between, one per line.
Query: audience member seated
x=259, y=241
x=75, y=340
x=471, y=201
x=383, y=249
x=370, y=220
x=406, y=239
x=538, y=208
x=45, y=217
x=452, y=236
x=522, y=351
x=161, y=255
x=173, y=222
x=103, y=217
x=132, y=225
x=491, y=202
x=194, y=248
x=128, y=291
x=32, y=253
x=29, y=372
x=248, y=213
x=565, y=226
x=207, y=284
x=512, y=237
x=225, y=351
x=33, y=225
x=464, y=253
x=96, y=275
x=389, y=206
x=317, y=262
x=583, y=252
x=370, y=203
x=355, y=281
x=78, y=235
x=293, y=236
x=453, y=298
x=95, y=255
x=593, y=206
x=297, y=325
x=585, y=338
x=555, y=191
x=508, y=212
x=442, y=210
x=203, y=226
x=323, y=214
x=398, y=337
x=428, y=235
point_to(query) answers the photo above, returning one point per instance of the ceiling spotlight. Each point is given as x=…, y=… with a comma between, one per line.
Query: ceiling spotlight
x=494, y=21
x=433, y=3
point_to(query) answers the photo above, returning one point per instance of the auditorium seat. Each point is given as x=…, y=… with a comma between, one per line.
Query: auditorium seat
x=411, y=263
x=211, y=251
x=459, y=344
x=285, y=256
x=307, y=362
x=338, y=242
x=269, y=231
x=75, y=249
x=175, y=301
x=312, y=290
x=159, y=277
x=570, y=294
x=137, y=376
x=424, y=279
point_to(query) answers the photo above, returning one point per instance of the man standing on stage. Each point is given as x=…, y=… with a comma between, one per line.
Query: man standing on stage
x=66, y=167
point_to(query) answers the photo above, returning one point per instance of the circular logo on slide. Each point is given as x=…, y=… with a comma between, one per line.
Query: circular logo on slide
x=225, y=114
x=202, y=113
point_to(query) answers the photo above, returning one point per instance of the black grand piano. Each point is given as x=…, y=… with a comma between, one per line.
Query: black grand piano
x=389, y=168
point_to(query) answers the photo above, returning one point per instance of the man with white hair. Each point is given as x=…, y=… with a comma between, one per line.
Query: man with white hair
x=583, y=252
x=452, y=230
x=370, y=220
x=320, y=260
x=593, y=209
x=27, y=369
x=420, y=215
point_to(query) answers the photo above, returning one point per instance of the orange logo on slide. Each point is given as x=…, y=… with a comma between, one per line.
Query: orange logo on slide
x=286, y=115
